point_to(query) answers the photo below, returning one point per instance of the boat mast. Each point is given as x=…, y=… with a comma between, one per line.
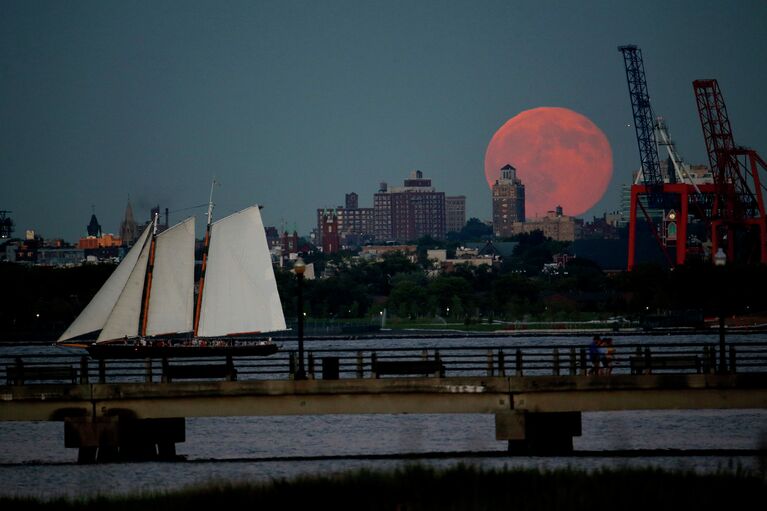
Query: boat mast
x=204, y=260
x=148, y=281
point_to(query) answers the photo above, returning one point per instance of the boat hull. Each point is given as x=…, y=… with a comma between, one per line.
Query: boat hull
x=104, y=351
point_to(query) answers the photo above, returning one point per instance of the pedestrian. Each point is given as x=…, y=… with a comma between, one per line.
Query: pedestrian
x=603, y=355
x=594, y=354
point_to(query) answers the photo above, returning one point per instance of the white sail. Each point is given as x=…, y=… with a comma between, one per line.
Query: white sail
x=95, y=314
x=171, y=300
x=123, y=320
x=240, y=291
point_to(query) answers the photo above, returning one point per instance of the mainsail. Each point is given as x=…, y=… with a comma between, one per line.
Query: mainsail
x=95, y=315
x=240, y=294
x=172, y=295
x=123, y=320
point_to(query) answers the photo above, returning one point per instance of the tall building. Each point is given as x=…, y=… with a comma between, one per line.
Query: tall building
x=289, y=243
x=128, y=227
x=6, y=225
x=355, y=224
x=382, y=219
x=330, y=237
x=508, y=201
x=455, y=213
x=409, y=212
x=352, y=201
x=272, y=237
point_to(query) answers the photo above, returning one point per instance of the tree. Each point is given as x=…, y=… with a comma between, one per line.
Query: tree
x=443, y=290
x=379, y=275
x=474, y=230
x=408, y=296
x=515, y=294
x=424, y=244
x=533, y=251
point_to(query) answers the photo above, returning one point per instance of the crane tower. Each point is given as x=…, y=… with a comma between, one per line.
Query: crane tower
x=680, y=198
x=731, y=209
x=737, y=214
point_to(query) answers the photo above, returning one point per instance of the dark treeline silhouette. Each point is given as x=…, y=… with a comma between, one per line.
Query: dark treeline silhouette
x=39, y=301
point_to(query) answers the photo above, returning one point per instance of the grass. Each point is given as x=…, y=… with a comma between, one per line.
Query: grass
x=458, y=488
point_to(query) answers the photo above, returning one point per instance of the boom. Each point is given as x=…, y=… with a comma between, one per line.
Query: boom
x=644, y=120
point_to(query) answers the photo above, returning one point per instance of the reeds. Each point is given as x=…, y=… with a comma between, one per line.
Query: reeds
x=461, y=487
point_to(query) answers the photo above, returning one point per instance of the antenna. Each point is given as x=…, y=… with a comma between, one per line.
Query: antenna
x=210, y=201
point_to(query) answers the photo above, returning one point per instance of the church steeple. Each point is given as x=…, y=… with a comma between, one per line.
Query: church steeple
x=128, y=227
x=94, y=228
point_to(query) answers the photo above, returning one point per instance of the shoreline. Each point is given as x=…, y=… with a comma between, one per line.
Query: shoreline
x=447, y=333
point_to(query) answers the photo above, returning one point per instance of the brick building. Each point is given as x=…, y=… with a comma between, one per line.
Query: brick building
x=409, y=212
x=329, y=229
x=355, y=224
x=508, y=202
x=554, y=225
x=455, y=213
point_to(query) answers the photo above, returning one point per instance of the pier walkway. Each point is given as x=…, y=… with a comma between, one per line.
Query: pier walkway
x=119, y=409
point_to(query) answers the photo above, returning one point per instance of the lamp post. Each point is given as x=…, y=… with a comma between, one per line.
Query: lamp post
x=299, y=268
x=720, y=259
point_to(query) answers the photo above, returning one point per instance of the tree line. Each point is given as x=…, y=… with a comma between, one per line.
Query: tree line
x=38, y=299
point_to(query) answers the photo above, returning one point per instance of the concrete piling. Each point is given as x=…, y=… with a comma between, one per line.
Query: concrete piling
x=531, y=433
x=114, y=438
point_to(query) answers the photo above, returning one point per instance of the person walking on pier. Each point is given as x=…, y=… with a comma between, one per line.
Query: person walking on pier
x=608, y=353
x=594, y=354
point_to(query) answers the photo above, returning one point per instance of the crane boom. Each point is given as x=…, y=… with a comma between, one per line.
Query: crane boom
x=644, y=121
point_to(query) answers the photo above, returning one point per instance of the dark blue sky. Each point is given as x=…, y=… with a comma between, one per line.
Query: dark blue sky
x=292, y=104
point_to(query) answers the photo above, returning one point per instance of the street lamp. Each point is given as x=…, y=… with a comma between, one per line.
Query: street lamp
x=720, y=259
x=299, y=267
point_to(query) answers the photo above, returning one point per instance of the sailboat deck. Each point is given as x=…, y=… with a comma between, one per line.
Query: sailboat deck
x=113, y=351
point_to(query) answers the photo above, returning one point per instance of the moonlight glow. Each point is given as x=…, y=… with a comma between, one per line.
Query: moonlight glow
x=561, y=157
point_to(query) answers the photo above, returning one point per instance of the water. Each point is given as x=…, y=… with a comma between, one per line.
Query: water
x=33, y=460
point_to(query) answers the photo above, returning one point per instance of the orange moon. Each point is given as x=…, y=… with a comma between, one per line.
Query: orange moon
x=561, y=157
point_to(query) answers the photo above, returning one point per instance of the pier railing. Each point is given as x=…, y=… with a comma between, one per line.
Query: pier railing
x=344, y=363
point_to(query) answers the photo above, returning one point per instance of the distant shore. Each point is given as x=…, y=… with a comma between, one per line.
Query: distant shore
x=446, y=332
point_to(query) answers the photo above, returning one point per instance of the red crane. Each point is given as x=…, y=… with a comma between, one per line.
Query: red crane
x=730, y=210
x=738, y=220
x=677, y=200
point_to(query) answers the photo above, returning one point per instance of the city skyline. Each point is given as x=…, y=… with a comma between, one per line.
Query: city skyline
x=290, y=105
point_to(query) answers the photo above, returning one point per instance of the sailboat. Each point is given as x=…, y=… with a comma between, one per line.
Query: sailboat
x=148, y=308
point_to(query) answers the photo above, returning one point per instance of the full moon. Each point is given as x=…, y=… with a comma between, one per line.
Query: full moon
x=561, y=157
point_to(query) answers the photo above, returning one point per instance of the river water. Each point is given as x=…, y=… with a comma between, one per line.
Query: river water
x=33, y=460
